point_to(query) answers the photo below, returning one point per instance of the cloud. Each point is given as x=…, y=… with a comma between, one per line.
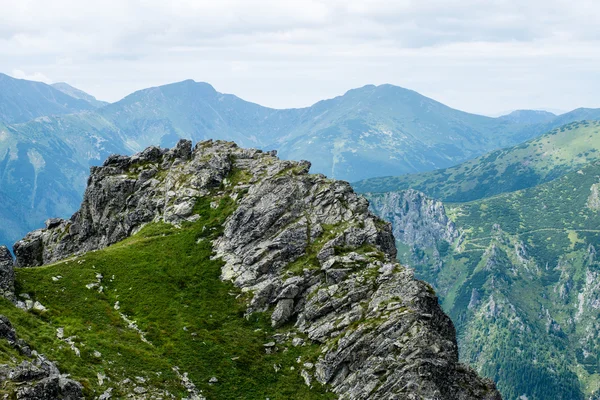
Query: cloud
x=36, y=76
x=477, y=55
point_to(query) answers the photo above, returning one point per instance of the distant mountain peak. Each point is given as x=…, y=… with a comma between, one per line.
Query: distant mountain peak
x=191, y=83
x=78, y=94
x=528, y=116
x=531, y=112
x=22, y=100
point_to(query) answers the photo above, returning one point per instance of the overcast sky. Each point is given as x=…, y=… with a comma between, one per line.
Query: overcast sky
x=484, y=56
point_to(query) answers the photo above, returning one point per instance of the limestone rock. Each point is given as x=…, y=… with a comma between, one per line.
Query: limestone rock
x=37, y=378
x=417, y=219
x=7, y=274
x=305, y=246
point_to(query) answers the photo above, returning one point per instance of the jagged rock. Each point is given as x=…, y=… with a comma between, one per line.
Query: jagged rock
x=593, y=201
x=382, y=333
x=417, y=220
x=38, y=378
x=6, y=330
x=475, y=299
x=7, y=274
x=283, y=311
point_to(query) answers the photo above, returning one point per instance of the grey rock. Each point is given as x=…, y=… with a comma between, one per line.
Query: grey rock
x=416, y=219
x=382, y=333
x=37, y=378
x=140, y=389
x=282, y=313
x=106, y=395
x=7, y=274
x=7, y=332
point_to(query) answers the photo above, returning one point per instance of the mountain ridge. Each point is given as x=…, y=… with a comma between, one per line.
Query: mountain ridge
x=536, y=161
x=302, y=282
x=368, y=131
x=78, y=94
x=518, y=274
x=22, y=100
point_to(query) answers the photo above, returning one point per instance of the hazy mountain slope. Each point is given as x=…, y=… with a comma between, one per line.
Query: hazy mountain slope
x=579, y=114
x=539, y=160
x=529, y=116
x=44, y=165
x=519, y=275
x=366, y=132
x=378, y=129
x=78, y=94
x=22, y=100
x=162, y=115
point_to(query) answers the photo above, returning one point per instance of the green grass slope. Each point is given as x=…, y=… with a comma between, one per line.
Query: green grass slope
x=162, y=278
x=521, y=284
x=547, y=157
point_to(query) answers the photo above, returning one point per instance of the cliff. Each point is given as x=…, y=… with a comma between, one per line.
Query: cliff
x=303, y=249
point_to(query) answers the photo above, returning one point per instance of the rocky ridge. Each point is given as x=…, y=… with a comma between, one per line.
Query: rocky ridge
x=416, y=219
x=485, y=275
x=304, y=246
x=36, y=378
x=418, y=222
x=7, y=274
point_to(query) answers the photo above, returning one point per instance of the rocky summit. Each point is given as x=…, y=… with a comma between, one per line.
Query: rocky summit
x=299, y=248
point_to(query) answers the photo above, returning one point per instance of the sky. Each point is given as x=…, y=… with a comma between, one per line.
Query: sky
x=481, y=56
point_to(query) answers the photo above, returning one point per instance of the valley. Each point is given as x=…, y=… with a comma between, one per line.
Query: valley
x=500, y=215
x=517, y=272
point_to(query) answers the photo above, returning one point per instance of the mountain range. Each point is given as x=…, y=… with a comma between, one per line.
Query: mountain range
x=517, y=270
x=22, y=100
x=500, y=215
x=372, y=131
x=528, y=164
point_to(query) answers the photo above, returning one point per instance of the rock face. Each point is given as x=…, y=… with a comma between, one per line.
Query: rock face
x=304, y=246
x=123, y=195
x=7, y=274
x=35, y=378
x=416, y=219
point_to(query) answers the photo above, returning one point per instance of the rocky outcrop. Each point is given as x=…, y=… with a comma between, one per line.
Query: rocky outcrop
x=593, y=202
x=301, y=245
x=416, y=219
x=35, y=377
x=123, y=195
x=7, y=274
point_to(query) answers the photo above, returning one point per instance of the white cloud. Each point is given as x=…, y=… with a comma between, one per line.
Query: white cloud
x=478, y=55
x=36, y=76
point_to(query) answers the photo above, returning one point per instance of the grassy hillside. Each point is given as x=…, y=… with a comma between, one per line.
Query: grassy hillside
x=547, y=157
x=521, y=284
x=163, y=279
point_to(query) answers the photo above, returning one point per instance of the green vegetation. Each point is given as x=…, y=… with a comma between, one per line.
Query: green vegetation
x=163, y=279
x=513, y=285
x=551, y=219
x=563, y=150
